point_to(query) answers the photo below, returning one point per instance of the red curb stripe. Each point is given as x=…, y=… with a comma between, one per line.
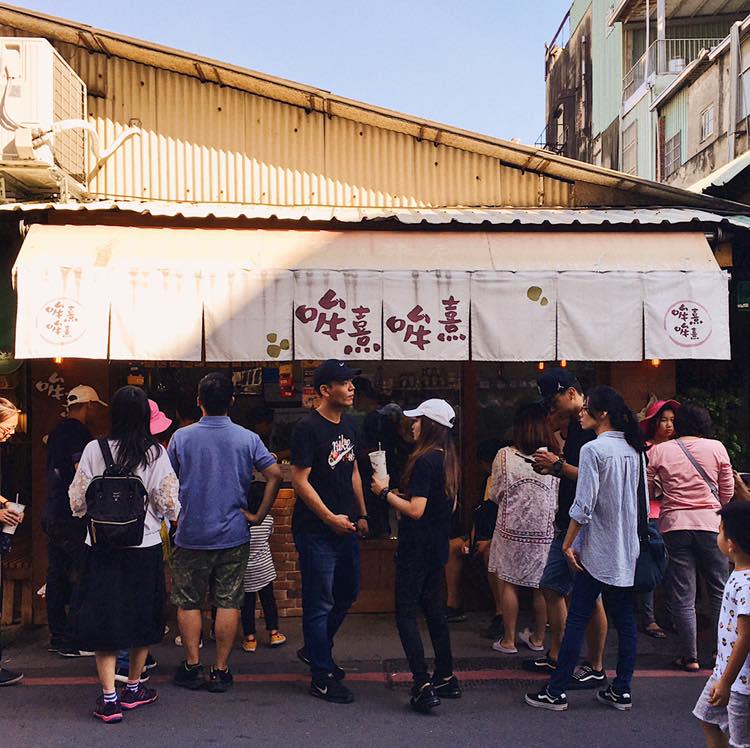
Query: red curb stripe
x=359, y=677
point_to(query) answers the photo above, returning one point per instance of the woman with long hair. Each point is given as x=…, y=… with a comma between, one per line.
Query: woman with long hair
x=525, y=523
x=695, y=476
x=121, y=594
x=602, y=544
x=8, y=516
x=426, y=502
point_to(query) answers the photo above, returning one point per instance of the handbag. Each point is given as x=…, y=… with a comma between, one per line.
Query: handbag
x=651, y=565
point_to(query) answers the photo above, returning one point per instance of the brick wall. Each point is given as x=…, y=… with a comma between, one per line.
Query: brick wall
x=288, y=584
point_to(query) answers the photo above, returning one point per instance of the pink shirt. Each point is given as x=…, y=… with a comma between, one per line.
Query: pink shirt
x=687, y=502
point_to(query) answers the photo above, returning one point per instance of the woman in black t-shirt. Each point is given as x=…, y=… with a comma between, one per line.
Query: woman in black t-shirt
x=426, y=504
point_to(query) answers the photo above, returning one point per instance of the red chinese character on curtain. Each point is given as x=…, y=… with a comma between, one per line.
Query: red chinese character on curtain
x=451, y=322
x=361, y=333
x=329, y=323
x=415, y=334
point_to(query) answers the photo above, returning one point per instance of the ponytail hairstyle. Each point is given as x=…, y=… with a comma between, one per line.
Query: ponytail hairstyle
x=131, y=428
x=604, y=399
x=434, y=437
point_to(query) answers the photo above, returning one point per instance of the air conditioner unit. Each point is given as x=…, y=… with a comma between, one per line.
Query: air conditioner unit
x=37, y=89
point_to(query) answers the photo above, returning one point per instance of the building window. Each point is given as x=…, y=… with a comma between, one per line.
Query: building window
x=707, y=123
x=630, y=149
x=673, y=154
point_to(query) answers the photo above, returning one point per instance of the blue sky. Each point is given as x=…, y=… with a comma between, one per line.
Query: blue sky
x=477, y=65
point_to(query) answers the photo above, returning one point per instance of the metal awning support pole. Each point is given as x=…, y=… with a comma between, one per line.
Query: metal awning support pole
x=661, y=35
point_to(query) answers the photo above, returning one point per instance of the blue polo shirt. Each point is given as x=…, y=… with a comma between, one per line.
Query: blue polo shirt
x=214, y=461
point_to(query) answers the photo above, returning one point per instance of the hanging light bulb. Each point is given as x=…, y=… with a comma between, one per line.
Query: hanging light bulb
x=563, y=363
x=655, y=362
x=540, y=366
x=58, y=360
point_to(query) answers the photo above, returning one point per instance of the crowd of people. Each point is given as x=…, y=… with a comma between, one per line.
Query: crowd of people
x=564, y=516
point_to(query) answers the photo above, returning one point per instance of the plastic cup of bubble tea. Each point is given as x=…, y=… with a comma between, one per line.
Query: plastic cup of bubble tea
x=379, y=468
x=19, y=509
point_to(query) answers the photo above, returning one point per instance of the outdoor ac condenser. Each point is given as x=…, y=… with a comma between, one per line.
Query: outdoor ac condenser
x=38, y=89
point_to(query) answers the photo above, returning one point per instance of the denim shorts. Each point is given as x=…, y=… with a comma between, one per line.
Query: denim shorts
x=733, y=719
x=557, y=575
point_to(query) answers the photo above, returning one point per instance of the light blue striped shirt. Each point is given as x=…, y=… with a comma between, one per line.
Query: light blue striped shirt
x=606, y=507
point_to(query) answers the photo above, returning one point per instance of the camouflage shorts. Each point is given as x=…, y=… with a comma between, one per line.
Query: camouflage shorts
x=195, y=574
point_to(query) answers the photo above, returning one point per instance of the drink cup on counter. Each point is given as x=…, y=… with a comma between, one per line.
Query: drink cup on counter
x=19, y=509
x=379, y=467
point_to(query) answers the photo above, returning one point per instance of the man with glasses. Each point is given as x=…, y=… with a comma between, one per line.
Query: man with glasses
x=562, y=395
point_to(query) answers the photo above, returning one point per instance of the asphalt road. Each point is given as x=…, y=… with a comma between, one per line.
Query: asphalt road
x=270, y=705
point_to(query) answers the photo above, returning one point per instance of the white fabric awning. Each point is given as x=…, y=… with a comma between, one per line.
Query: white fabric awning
x=248, y=295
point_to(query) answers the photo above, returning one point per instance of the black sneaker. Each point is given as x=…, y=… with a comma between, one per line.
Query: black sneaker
x=447, y=688
x=610, y=697
x=338, y=672
x=423, y=698
x=540, y=664
x=134, y=699
x=72, y=652
x=495, y=630
x=331, y=689
x=545, y=700
x=586, y=677
x=9, y=677
x=219, y=681
x=122, y=674
x=455, y=615
x=189, y=677
x=55, y=645
x=108, y=711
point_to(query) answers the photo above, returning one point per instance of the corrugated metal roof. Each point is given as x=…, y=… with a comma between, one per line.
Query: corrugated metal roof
x=407, y=216
x=723, y=175
x=523, y=157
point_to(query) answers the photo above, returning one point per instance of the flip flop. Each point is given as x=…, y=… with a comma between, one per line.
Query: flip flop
x=498, y=647
x=657, y=633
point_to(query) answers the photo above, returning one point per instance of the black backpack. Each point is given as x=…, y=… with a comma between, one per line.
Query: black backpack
x=116, y=504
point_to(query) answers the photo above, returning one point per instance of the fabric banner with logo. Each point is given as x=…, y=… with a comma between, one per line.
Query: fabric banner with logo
x=157, y=315
x=337, y=314
x=426, y=315
x=248, y=315
x=62, y=312
x=687, y=315
x=513, y=316
x=600, y=316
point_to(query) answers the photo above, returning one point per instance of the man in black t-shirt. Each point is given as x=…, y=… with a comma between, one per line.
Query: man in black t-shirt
x=328, y=515
x=562, y=394
x=66, y=534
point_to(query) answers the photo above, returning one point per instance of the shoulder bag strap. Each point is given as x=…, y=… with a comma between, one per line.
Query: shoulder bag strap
x=699, y=468
x=641, y=498
x=106, y=453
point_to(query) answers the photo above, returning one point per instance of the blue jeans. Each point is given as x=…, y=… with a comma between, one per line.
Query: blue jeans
x=621, y=605
x=330, y=584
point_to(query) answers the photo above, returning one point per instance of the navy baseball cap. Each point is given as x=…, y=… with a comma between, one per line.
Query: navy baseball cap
x=555, y=381
x=333, y=370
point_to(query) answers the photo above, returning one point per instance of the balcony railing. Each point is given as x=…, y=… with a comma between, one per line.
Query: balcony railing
x=664, y=57
x=553, y=138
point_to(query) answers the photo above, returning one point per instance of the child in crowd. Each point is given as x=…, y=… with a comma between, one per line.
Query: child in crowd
x=259, y=576
x=724, y=705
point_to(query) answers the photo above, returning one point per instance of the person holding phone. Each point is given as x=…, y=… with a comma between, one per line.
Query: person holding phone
x=426, y=504
x=9, y=517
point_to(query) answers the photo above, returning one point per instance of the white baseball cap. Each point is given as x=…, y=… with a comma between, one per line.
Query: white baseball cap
x=436, y=410
x=83, y=394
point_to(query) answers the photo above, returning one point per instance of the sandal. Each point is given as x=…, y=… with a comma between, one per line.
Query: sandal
x=688, y=664
x=655, y=633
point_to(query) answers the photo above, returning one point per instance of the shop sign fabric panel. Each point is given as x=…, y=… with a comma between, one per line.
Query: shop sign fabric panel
x=600, y=316
x=426, y=315
x=157, y=315
x=513, y=316
x=687, y=315
x=62, y=312
x=338, y=314
x=248, y=315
